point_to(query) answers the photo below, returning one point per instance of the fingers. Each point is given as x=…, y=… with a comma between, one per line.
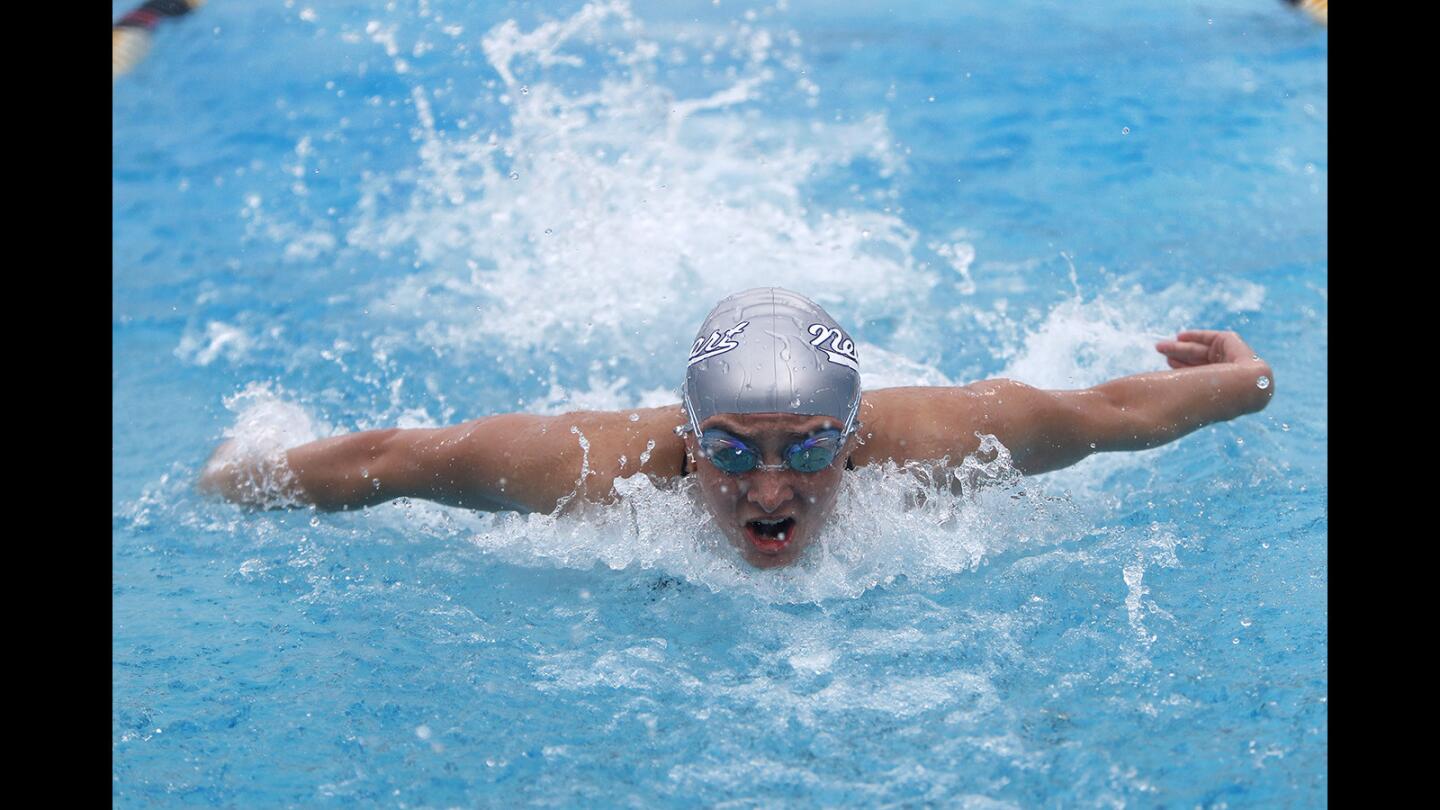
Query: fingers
x=1206, y=336
x=1183, y=353
x=1219, y=346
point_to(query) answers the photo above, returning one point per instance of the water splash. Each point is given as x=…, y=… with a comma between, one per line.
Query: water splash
x=266, y=425
x=607, y=210
x=596, y=220
x=919, y=521
x=1085, y=341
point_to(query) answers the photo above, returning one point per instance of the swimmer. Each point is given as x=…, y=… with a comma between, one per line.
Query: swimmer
x=771, y=418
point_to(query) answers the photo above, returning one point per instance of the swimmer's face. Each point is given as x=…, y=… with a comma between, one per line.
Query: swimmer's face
x=769, y=515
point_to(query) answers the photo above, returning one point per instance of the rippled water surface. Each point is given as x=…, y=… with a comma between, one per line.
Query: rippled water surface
x=340, y=216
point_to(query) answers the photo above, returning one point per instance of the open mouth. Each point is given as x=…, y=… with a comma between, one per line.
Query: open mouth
x=769, y=536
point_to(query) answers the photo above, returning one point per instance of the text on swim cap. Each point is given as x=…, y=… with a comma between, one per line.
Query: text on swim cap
x=718, y=343
x=841, y=349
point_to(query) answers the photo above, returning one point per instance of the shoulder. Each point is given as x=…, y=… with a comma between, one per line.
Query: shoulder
x=985, y=399
x=930, y=422
x=918, y=406
x=619, y=444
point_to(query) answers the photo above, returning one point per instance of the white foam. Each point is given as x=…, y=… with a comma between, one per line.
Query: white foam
x=265, y=419
x=1083, y=342
x=220, y=339
x=609, y=212
x=888, y=521
x=266, y=425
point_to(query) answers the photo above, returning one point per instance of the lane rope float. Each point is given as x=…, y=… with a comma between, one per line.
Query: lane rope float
x=130, y=37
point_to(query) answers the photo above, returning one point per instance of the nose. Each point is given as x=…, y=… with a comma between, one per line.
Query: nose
x=769, y=490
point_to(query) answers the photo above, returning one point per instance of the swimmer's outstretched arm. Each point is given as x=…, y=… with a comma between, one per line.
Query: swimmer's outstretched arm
x=519, y=462
x=1214, y=376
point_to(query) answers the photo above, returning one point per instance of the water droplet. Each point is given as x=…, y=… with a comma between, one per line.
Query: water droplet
x=1092, y=445
x=314, y=521
x=1284, y=425
x=1262, y=382
x=524, y=90
x=1124, y=130
x=634, y=417
x=548, y=231
x=514, y=175
x=1245, y=622
x=423, y=732
x=1234, y=641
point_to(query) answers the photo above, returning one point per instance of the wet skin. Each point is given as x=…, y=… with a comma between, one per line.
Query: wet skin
x=746, y=506
x=538, y=463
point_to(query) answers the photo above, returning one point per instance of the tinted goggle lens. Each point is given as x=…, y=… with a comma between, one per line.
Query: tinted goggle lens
x=729, y=454
x=815, y=453
x=734, y=456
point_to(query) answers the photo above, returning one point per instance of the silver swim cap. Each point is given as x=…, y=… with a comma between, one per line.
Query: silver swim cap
x=770, y=350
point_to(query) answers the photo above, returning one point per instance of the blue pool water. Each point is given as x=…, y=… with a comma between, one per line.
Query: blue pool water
x=338, y=216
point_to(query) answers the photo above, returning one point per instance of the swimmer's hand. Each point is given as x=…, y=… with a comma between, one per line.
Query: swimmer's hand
x=1222, y=374
x=244, y=476
x=1199, y=347
x=1216, y=376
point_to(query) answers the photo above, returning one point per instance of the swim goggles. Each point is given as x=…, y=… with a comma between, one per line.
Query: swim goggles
x=732, y=455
